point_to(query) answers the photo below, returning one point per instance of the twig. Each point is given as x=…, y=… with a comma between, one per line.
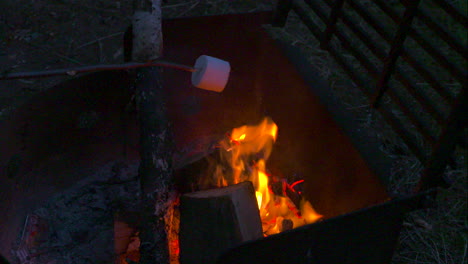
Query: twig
x=57, y=54
x=67, y=58
x=94, y=68
x=24, y=227
x=69, y=47
x=99, y=39
x=101, y=55
x=175, y=5
x=98, y=9
x=357, y=107
x=189, y=9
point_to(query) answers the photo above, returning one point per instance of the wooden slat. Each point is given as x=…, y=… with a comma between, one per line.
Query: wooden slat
x=377, y=26
x=418, y=66
x=420, y=126
x=422, y=70
x=319, y=11
x=457, y=121
x=431, y=49
x=301, y=11
x=442, y=33
x=336, y=11
x=400, y=75
x=427, y=45
x=453, y=12
x=366, y=40
x=422, y=98
x=395, y=51
x=394, y=123
x=371, y=68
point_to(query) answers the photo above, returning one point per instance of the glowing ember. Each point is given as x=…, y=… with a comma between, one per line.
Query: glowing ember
x=243, y=157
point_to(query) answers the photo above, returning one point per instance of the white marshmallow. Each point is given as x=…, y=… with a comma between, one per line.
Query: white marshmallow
x=211, y=73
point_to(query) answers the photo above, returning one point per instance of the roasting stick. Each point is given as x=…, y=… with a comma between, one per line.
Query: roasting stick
x=95, y=68
x=209, y=73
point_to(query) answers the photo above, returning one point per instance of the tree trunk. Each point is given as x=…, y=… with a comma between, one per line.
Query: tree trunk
x=147, y=31
x=155, y=168
x=155, y=134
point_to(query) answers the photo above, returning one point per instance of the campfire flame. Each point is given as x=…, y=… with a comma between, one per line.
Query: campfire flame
x=243, y=156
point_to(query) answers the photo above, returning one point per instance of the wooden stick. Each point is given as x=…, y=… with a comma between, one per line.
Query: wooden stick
x=94, y=68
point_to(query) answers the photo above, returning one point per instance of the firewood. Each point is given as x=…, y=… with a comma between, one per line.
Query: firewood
x=215, y=220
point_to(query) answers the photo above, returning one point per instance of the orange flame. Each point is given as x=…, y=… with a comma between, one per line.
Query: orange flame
x=278, y=213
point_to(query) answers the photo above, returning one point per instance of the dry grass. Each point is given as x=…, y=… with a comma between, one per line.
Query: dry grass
x=436, y=235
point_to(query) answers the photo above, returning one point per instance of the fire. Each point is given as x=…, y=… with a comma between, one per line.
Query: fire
x=262, y=192
x=243, y=156
x=308, y=212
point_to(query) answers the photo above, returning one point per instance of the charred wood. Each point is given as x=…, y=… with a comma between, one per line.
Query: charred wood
x=215, y=220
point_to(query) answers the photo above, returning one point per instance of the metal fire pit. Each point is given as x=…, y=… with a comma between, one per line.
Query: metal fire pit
x=46, y=137
x=316, y=139
x=364, y=236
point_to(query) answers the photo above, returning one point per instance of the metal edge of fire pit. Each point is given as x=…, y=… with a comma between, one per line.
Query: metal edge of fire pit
x=364, y=236
x=368, y=147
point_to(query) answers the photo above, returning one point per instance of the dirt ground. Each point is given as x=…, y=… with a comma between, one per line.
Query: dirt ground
x=36, y=35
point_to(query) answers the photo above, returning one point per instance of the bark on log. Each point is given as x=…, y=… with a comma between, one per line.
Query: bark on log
x=155, y=168
x=215, y=220
x=147, y=31
x=156, y=139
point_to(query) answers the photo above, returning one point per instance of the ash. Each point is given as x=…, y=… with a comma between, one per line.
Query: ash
x=77, y=225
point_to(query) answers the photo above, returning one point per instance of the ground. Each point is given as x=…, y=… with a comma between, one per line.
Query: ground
x=41, y=34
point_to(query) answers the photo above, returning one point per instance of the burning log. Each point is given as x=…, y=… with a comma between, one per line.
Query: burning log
x=215, y=220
